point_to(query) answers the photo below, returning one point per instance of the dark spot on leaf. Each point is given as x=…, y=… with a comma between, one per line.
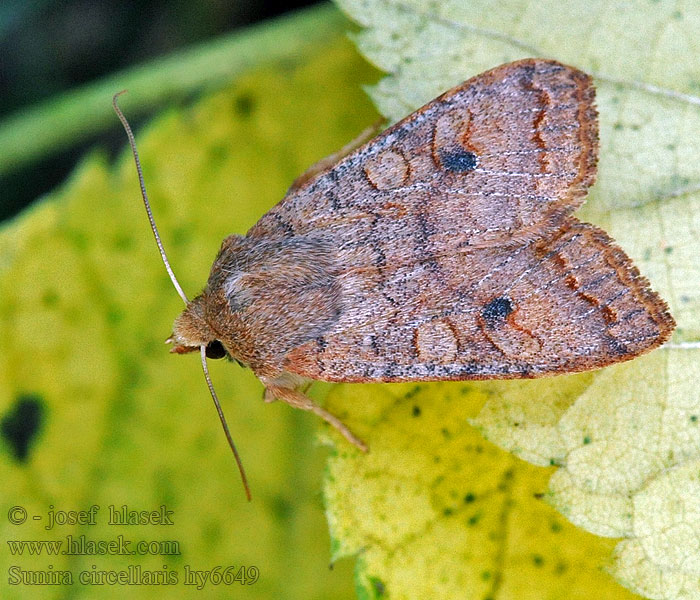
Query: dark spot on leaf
x=282, y=508
x=586, y=440
x=244, y=104
x=123, y=241
x=218, y=153
x=474, y=519
x=678, y=180
x=458, y=161
x=50, y=298
x=469, y=498
x=416, y=411
x=497, y=310
x=538, y=560
x=693, y=418
x=447, y=512
x=114, y=315
x=412, y=392
x=555, y=527
x=180, y=236
x=21, y=424
x=378, y=587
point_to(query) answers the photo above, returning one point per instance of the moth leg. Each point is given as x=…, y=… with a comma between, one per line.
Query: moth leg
x=329, y=161
x=299, y=400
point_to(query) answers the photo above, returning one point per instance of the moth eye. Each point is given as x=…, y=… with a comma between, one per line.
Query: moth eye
x=215, y=349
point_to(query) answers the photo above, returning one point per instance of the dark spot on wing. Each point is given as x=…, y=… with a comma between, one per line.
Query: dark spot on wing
x=391, y=370
x=333, y=199
x=379, y=256
x=618, y=347
x=459, y=161
x=284, y=225
x=497, y=310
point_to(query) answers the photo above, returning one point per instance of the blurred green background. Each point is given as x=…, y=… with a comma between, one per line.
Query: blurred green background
x=50, y=47
x=93, y=410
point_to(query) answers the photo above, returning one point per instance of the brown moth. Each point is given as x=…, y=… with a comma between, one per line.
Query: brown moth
x=443, y=249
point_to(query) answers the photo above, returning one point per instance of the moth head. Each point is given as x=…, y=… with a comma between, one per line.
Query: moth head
x=191, y=331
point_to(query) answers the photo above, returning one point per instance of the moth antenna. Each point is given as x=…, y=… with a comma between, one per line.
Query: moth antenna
x=244, y=479
x=176, y=283
x=144, y=195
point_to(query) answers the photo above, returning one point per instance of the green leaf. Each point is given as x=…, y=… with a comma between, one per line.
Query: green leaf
x=433, y=510
x=93, y=409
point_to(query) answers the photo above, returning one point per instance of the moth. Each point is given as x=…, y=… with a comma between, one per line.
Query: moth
x=443, y=249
